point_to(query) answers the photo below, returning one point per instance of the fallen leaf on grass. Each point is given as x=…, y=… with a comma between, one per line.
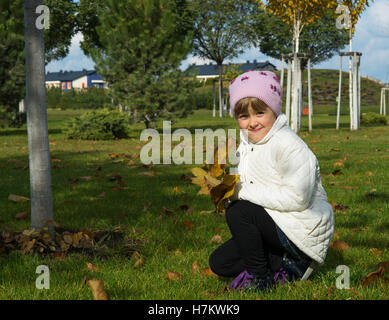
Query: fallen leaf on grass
x=373, y=276
x=16, y=198
x=167, y=211
x=375, y=251
x=21, y=215
x=216, y=239
x=195, y=267
x=147, y=173
x=97, y=287
x=60, y=255
x=189, y=225
x=340, y=245
x=209, y=272
x=171, y=275
x=90, y=266
x=207, y=211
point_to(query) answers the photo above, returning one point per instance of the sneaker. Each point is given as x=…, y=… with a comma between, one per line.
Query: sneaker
x=242, y=280
x=294, y=270
x=261, y=283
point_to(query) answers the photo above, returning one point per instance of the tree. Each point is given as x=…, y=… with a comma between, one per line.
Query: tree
x=12, y=69
x=142, y=44
x=87, y=23
x=355, y=9
x=321, y=39
x=297, y=14
x=222, y=31
x=38, y=141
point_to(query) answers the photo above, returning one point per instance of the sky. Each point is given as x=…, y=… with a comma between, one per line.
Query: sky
x=371, y=38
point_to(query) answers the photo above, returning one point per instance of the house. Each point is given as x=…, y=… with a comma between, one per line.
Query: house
x=207, y=71
x=68, y=80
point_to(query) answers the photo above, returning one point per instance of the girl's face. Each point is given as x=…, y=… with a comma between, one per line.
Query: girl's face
x=256, y=124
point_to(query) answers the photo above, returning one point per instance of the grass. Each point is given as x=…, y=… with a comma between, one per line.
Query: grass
x=168, y=243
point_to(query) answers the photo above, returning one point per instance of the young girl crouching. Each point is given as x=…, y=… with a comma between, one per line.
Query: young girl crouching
x=279, y=217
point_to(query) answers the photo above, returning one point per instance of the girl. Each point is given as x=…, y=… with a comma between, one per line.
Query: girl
x=280, y=219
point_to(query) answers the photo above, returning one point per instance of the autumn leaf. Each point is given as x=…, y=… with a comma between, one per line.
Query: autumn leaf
x=21, y=215
x=223, y=191
x=208, y=272
x=97, y=287
x=216, y=239
x=16, y=198
x=204, y=180
x=340, y=245
x=171, y=276
x=375, y=251
x=195, y=267
x=189, y=225
x=220, y=159
x=373, y=276
x=91, y=267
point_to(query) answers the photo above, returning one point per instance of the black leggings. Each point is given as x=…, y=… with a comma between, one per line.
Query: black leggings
x=254, y=246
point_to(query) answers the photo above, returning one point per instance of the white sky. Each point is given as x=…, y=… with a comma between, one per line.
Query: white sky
x=371, y=38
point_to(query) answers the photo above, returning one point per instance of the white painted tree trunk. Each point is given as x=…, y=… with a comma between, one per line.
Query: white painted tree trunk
x=288, y=85
x=37, y=131
x=220, y=91
x=350, y=79
x=339, y=95
x=309, y=97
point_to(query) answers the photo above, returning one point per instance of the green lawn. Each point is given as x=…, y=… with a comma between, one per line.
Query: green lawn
x=174, y=242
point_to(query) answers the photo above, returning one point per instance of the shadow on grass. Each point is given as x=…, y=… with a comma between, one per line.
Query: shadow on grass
x=17, y=132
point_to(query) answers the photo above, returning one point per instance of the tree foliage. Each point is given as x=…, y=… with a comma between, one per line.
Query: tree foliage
x=321, y=39
x=12, y=63
x=141, y=45
x=298, y=13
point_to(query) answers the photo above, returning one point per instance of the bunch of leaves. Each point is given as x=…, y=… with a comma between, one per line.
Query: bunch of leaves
x=99, y=125
x=372, y=118
x=216, y=182
x=59, y=241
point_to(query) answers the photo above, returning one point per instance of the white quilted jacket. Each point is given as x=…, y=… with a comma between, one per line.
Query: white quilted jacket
x=281, y=174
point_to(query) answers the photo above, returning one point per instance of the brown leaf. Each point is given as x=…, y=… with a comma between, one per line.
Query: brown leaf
x=375, y=251
x=209, y=272
x=195, y=267
x=68, y=238
x=16, y=198
x=21, y=215
x=97, y=288
x=90, y=266
x=339, y=245
x=224, y=190
x=189, y=225
x=171, y=275
x=147, y=173
x=216, y=239
x=167, y=211
x=103, y=194
x=372, y=276
x=60, y=255
x=384, y=264
x=207, y=211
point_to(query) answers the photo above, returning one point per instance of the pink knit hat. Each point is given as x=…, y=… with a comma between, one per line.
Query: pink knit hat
x=263, y=85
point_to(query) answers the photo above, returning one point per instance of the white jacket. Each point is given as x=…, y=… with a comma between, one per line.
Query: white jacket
x=281, y=174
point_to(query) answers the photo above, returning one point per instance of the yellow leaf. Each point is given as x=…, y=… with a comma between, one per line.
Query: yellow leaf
x=97, y=288
x=224, y=190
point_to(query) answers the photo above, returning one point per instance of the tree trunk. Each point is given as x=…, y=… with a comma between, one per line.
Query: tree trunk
x=220, y=91
x=37, y=131
x=350, y=85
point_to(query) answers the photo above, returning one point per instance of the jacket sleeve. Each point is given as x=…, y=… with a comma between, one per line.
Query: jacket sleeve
x=297, y=168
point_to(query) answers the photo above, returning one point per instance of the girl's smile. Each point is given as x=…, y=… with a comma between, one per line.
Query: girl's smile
x=256, y=124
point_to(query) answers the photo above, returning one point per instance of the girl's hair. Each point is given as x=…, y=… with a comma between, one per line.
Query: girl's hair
x=243, y=105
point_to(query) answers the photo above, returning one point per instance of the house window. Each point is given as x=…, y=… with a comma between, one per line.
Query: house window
x=69, y=85
x=63, y=85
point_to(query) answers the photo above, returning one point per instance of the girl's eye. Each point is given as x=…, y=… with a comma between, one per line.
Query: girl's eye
x=242, y=116
x=260, y=113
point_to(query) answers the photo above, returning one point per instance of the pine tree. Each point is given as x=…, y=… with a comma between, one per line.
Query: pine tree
x=142, y=44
